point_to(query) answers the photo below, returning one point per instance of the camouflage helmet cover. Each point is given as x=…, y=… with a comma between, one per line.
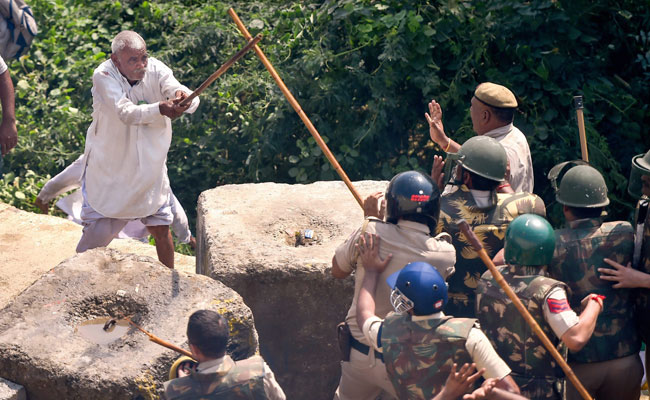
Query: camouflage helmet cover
x=485, y=157
x=530, y=240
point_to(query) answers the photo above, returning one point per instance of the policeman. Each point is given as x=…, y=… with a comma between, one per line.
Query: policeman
x=638, y=274
x=492, y=111
x=482, y=164
x=608, y=365
x=529, y=246
x=419, y=342
x=217, y=375
x=412, y=209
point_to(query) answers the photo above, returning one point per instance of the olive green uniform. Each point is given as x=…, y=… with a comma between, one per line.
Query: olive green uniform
x=643, y=295
x=489, y=224
x=609, y=364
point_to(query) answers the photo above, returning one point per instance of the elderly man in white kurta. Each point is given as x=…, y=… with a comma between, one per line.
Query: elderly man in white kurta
x=135, y=97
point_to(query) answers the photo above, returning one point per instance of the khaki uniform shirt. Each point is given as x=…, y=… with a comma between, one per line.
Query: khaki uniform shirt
x=521, y=177
x=407, y=241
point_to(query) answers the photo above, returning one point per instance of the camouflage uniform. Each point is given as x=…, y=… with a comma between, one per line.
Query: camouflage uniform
x=243, y=380
x=579, y=252
x=643, y=295
x=533, y=368
x=419, y=354
x=490, y=226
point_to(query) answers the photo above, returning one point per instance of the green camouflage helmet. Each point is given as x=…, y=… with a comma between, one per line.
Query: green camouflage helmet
x=530, y=240
x=640, y=167
x=583, y=186
x=485, y=157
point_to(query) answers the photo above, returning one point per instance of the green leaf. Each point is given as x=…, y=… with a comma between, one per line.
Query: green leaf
x=19, y=195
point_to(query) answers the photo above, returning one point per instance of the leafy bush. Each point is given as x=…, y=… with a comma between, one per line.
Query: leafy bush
x=363, y=72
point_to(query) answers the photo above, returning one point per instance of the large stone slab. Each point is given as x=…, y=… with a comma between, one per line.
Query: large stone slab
x=41, y=349
x=246, y=239
x=32, y=244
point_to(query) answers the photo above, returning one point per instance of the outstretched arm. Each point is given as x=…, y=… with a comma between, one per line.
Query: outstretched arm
x=579, y=334
x=458, y=383
x=437, y=130
x=624, y=277
x=8, y=132
x=373, y=265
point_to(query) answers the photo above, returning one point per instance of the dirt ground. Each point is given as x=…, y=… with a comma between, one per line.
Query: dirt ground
x=32, y=244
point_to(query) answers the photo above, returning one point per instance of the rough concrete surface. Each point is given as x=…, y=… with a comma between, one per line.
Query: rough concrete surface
x=32, y=244
x=11, y=391
x=245, y=239
x=41, y=349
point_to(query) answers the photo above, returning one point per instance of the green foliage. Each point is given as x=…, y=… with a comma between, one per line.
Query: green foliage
x=363, y=72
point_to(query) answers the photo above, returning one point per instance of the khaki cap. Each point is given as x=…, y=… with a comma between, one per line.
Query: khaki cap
x=495, y=95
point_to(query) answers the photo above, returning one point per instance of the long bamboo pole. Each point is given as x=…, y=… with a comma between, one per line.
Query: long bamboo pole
x=221, y=70
x=478, y=247
x=159, y=341
x=296, y=106
x=578, y=104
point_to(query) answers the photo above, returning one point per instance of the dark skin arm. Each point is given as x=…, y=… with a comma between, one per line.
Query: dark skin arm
x=172, y=108
x=8, y=131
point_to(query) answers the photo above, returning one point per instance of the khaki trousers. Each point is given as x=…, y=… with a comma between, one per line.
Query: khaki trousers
x=618, y=379
x=363, y=379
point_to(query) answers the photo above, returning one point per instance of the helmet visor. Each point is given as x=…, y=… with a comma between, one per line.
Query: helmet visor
x=400, y=303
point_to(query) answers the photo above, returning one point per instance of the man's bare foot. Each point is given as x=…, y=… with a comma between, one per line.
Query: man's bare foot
x=193, y=242
x=44, y=207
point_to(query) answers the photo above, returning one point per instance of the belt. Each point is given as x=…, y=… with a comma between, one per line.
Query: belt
x=362, y=348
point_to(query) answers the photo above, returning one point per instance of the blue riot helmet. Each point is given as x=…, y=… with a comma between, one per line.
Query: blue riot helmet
x=418, y=287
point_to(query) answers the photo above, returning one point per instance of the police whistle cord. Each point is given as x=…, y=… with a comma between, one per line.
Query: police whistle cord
x=157, y=340
x=296, y=106
x=478, y=247
x=252, y=42
x=579, y=106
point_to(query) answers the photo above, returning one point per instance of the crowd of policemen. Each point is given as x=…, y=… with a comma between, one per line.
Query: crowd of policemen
x=428, y=319
x=574, y=281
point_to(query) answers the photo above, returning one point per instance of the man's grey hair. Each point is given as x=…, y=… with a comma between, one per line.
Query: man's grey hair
x=127, y=39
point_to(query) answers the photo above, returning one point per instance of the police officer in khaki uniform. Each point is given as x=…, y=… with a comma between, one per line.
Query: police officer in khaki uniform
x=608, y=365
x=529, y=246
x=482, y=164
x=492, y=111
x=412, y=208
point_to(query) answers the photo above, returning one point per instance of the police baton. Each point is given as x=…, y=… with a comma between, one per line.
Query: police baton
x=478, y=247
x=296, y=106
x=221, y=70
x=578, y=105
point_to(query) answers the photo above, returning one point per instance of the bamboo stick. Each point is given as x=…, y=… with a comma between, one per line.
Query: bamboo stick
x=577, y=102
x=221, y=70
x=478, y=247
x=296, y=106
x=159, y=341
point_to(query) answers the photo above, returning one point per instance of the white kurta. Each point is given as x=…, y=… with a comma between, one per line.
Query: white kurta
x=521, y=165
x=128, y=140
